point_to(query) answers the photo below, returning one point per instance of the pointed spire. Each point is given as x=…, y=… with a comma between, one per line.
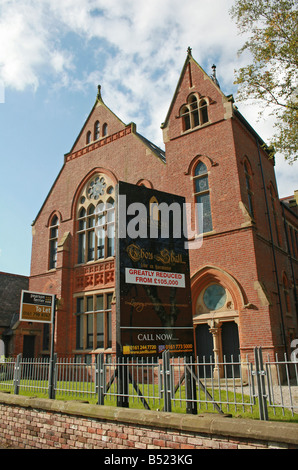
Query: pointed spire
x=213, y=76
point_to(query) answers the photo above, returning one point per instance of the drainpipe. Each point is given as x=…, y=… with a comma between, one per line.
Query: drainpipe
x=290, y=258
x=273, y=251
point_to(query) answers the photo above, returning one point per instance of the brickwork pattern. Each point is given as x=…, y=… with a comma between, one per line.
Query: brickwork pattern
x=36, y=428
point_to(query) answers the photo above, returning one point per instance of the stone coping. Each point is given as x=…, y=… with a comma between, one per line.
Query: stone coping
x=206, y=423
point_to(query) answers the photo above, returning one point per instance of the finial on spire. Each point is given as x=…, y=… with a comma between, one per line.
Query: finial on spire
x=98, y=97
x=189, y=50
x=213, y=76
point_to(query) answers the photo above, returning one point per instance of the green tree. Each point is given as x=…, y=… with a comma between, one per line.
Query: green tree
x=271, y=28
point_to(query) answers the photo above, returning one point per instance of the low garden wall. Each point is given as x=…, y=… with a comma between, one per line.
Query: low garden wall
x=35, y=423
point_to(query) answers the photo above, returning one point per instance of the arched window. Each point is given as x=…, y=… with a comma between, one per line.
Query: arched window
x=105, y=229
x=202, y=197
x=53, y=242
x=88, y=137
x=185, y=118
x=90, y=232
x=96, y=221
x=110, y=215
x=247, y=173
x=286, y=293
x=105, y=129
x=81, y=235
x=203, y=111
x=292, y=244
x=96, y=130
x=194, y=113
x=273, y=207
x=195, y=121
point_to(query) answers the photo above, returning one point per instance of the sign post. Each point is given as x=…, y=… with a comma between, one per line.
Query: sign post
x=51, y=368
x=41, y=308
x=153, y=296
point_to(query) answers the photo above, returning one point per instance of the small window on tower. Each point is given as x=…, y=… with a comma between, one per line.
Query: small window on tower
x=203, y=112
x=96, y=130
x=194, y=113
x=185, y=118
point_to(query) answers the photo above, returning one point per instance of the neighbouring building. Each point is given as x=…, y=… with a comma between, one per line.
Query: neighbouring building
x=243, y=278
x=13, y=335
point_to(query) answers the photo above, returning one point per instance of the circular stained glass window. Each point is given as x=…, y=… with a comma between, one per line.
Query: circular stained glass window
x=96, y=188
x=215, y=297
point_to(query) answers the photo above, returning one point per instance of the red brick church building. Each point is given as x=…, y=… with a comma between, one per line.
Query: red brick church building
x=243, y=275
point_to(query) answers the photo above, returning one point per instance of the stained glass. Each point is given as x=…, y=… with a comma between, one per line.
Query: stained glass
x=215, y=297
x=201, y=184
x=204, y=200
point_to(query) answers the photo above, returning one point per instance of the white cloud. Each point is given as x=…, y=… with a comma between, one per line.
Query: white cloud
x=26, y=34
x=151, y=34
x=139, y=47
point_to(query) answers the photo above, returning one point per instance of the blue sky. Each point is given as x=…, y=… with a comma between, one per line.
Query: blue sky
x=53, y=55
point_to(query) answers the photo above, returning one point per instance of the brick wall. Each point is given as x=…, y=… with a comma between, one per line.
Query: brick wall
x=31, y=423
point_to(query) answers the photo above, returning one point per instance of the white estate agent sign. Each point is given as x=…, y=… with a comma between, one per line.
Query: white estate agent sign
x=154, y=278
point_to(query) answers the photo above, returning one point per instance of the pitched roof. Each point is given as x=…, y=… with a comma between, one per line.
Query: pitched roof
x=152, y=147
x=158, y=151
x=189, y=58
x=98, y=101
x=227, y=98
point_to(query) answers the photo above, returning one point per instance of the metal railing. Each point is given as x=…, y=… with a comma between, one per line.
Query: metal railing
x=261, y=389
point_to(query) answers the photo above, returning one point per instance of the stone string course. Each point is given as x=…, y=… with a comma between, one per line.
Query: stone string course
x=31, y=423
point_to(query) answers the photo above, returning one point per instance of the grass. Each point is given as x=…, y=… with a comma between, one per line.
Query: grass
x=86, y=392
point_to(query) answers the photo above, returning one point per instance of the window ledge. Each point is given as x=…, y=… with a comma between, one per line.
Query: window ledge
x=102, y=350
x=206, y=234
x=188, y=131
x=88, y=263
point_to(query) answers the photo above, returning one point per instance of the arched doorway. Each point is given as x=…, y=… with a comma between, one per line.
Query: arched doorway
x=217, y=300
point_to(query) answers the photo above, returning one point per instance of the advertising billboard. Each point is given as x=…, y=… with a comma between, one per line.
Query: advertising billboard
x=153, y=294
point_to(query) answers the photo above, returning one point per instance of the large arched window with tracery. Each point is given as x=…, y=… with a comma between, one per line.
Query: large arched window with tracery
x=96, y=220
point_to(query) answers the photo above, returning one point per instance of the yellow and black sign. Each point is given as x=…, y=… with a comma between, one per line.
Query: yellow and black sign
x=37, y=307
